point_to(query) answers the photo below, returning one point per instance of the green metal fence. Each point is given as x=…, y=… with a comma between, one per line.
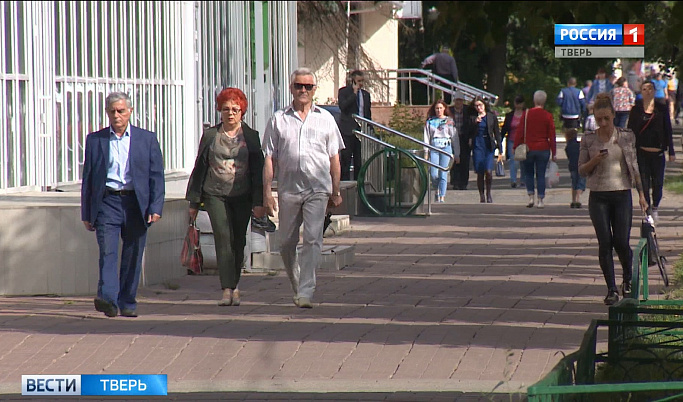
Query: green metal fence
x=644, y=358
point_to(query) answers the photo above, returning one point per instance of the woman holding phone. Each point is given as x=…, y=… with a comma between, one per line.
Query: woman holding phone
x=607, y=158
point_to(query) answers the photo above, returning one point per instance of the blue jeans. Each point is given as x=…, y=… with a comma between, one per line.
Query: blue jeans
x=620, y=119
x=439, y=176
x=536, y=162
x=120, y=217
x=513, y=163
x=578, y=182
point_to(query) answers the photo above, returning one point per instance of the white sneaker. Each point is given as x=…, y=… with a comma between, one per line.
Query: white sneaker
x=540, y=203
x=655, y=215
x=531, y=202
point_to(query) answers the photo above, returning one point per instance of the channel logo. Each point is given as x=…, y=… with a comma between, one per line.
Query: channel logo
x=599, y=34
x=634, y=34
x=93, y=384
x=588, y=34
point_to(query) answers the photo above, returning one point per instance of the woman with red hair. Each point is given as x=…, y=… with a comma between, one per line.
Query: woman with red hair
x=227, y=180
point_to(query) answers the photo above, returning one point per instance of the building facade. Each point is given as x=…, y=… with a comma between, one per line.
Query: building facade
x=59, y=60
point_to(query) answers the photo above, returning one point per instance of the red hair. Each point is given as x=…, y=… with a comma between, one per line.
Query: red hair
x=232, y=94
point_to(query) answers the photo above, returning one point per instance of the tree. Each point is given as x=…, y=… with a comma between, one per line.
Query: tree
x=509, y=46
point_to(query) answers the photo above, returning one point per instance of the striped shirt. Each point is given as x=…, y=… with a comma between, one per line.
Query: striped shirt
x=302, y=149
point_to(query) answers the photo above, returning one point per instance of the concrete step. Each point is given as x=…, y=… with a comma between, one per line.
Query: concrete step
x=334, y=258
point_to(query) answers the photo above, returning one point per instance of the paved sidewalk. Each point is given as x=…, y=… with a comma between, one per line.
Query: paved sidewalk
x=476, y=302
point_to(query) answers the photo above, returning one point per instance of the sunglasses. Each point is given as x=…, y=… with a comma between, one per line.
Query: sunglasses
x=309, y=87
x=233, y=110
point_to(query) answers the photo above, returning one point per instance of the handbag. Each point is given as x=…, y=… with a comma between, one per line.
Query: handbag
x=500, y=169
x=191, y=256
x=523, y=148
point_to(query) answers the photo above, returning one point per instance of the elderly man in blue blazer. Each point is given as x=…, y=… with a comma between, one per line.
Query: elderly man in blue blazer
x=121, y=196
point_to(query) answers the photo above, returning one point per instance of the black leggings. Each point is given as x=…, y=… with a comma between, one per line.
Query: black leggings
x=651, y=166
x=611, y=213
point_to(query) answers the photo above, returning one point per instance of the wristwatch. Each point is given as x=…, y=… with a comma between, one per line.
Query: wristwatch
x=337, y=194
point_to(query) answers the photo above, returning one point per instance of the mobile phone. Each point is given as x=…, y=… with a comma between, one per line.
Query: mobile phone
x=603, y=151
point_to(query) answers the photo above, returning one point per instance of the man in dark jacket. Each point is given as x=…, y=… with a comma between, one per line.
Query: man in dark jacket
x=572, y=104
x=353, y=99
x=444, y=66
x=460, y=172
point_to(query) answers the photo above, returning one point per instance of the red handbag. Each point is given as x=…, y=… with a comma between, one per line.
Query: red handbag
x=191, y=256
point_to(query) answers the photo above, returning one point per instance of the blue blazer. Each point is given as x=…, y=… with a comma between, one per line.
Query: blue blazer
x=146, y=168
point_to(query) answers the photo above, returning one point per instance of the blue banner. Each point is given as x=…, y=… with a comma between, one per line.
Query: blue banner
x=589, y=34
x=124, y=385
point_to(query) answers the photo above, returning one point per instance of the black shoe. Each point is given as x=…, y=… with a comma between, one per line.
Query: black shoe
x=126, y=312
x=612, y=297
x=105, y=307
x=263, y=223
x=513, y=185
x=626, y=288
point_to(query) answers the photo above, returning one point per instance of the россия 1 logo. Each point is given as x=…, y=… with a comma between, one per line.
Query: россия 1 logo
x=599, y=40
x=599, y=34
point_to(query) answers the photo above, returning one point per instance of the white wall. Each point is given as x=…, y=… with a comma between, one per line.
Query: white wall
x=321, y=51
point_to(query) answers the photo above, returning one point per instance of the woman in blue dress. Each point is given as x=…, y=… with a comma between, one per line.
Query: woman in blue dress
x=484, y=140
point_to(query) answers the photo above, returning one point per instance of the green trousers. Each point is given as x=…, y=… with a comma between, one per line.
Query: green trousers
x=229, y=219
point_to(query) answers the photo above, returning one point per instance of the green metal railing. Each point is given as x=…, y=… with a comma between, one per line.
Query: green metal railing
x=399, y=179
x=643, y=336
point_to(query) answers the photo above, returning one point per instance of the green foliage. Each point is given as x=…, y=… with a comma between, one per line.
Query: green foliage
x=674, y=184
x=406, y=121
x=474, y=30
x=678, y=271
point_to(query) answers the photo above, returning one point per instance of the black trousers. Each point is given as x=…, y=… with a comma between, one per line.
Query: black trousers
x=611, y=213
x=651, y=166
x=352, y=144
x=460, y=173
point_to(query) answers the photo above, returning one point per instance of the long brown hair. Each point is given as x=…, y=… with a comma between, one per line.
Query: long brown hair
x=432, y=109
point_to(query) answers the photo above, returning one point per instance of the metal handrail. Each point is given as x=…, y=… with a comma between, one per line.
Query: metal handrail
x=435, y=81
x=362, y=120
x=364, y=123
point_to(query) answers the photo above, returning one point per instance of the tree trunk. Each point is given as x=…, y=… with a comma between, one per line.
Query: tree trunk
x=496, y=69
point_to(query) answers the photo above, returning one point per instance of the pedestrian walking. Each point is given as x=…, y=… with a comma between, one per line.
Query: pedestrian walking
x=440, y=132
x=572, y=149
x=302, y=143
x=608, y=160
x=650, y=122
x=540, y=138
x=601, y=84
x=444, y=66
x=353, y=99
x=460, y=172
x=484, y=140
x=623, y=100
x=227, y=179
x=509, y=132
x=572, y=104
x=122, y=195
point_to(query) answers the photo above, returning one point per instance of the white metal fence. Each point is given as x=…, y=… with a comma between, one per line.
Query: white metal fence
x=59, y=60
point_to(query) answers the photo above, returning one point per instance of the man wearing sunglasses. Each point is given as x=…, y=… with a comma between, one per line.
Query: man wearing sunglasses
x=302, y=144
x=353, y=99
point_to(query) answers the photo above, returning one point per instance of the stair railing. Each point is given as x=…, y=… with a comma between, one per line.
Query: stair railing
x=364, y=132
